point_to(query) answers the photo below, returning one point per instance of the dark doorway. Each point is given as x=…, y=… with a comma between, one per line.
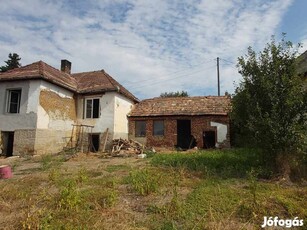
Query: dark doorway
x=94, y=142
x=209, y=139
x=183, y=133
x=8, y=143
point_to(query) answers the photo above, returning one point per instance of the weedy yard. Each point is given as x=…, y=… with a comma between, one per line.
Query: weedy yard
x=201, y=190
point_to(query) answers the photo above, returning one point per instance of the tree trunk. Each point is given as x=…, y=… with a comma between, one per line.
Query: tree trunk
x=283, y=167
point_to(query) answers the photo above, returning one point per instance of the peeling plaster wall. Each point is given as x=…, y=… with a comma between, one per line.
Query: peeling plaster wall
x=56, y=109
x=47, y=113
x=56, y=113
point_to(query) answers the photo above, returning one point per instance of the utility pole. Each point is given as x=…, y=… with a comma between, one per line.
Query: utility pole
x=218, y=75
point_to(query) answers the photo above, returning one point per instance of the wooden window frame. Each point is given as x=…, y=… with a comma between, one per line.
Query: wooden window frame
x=140, y=134
x=91, y=113
x=153, y=129
x=9, y=106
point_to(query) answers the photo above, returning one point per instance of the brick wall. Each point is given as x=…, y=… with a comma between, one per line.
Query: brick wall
x=199, y=124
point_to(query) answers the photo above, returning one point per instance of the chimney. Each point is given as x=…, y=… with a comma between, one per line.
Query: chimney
x=65, y=66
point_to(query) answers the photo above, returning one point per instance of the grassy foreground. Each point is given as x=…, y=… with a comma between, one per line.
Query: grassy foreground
x=202, y=190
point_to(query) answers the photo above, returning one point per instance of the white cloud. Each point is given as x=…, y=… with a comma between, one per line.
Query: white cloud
x=142, y=41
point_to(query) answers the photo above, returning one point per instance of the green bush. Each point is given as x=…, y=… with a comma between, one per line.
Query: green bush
x=70, y=197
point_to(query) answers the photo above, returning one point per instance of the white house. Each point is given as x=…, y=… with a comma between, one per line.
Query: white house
x=43, y=109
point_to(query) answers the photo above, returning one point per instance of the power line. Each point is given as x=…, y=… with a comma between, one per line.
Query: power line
x=170, y=74
x=228, y=61
x=185, y=75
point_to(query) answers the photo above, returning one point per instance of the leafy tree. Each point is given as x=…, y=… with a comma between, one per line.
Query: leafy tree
x=270, y=105
x=11, y=63
x=175, y=94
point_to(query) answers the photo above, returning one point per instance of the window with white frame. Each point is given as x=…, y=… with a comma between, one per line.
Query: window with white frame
x=92, y=108
x=13, y=100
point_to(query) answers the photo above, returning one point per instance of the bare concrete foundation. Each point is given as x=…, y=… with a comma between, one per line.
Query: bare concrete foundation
x=39, y=141
x=24, y=142
x=50, y=141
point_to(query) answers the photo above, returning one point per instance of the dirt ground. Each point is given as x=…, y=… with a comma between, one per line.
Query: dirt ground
x=24, y=165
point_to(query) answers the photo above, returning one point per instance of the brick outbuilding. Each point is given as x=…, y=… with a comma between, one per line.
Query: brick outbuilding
x=182, y=122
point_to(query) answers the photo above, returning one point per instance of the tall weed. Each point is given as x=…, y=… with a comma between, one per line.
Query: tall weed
x=144, y=181
x=233, y=163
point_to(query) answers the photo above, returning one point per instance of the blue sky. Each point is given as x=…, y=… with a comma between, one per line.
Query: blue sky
x=149, y=46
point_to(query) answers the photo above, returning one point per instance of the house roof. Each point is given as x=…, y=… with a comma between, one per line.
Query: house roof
x=89, y=82
x=174, y=106
x=40, y=70
x=99, y=81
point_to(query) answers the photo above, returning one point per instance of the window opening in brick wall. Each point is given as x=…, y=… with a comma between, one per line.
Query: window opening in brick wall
x=140, y=128
x=158, y=128
x=13, y=103
x=92, y=108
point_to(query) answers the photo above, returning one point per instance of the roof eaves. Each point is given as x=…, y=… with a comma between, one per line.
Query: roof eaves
x=178, y=114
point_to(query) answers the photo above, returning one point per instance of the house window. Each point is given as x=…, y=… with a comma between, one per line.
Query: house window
x=13, y=103
x=140, y=128
x=92, y=108
x=158, y=128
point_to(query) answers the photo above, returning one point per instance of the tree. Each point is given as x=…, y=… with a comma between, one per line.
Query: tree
x=175, y=94
x=270, y=105
x=11, y=63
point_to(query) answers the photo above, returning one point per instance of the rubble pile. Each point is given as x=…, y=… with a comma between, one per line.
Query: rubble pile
x=122, y=148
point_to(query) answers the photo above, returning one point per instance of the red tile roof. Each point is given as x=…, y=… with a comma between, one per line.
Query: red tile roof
x=89, y=82
x=40, y=70
x=169, y=106
x=100, y=81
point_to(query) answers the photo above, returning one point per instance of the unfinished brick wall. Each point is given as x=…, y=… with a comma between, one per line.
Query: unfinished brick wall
x=199, y=124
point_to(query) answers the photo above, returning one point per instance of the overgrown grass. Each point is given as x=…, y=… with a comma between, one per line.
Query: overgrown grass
x=144, y=181
x=203, y=190
x=114, y=168
x=49, y=161
x=233, y=163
